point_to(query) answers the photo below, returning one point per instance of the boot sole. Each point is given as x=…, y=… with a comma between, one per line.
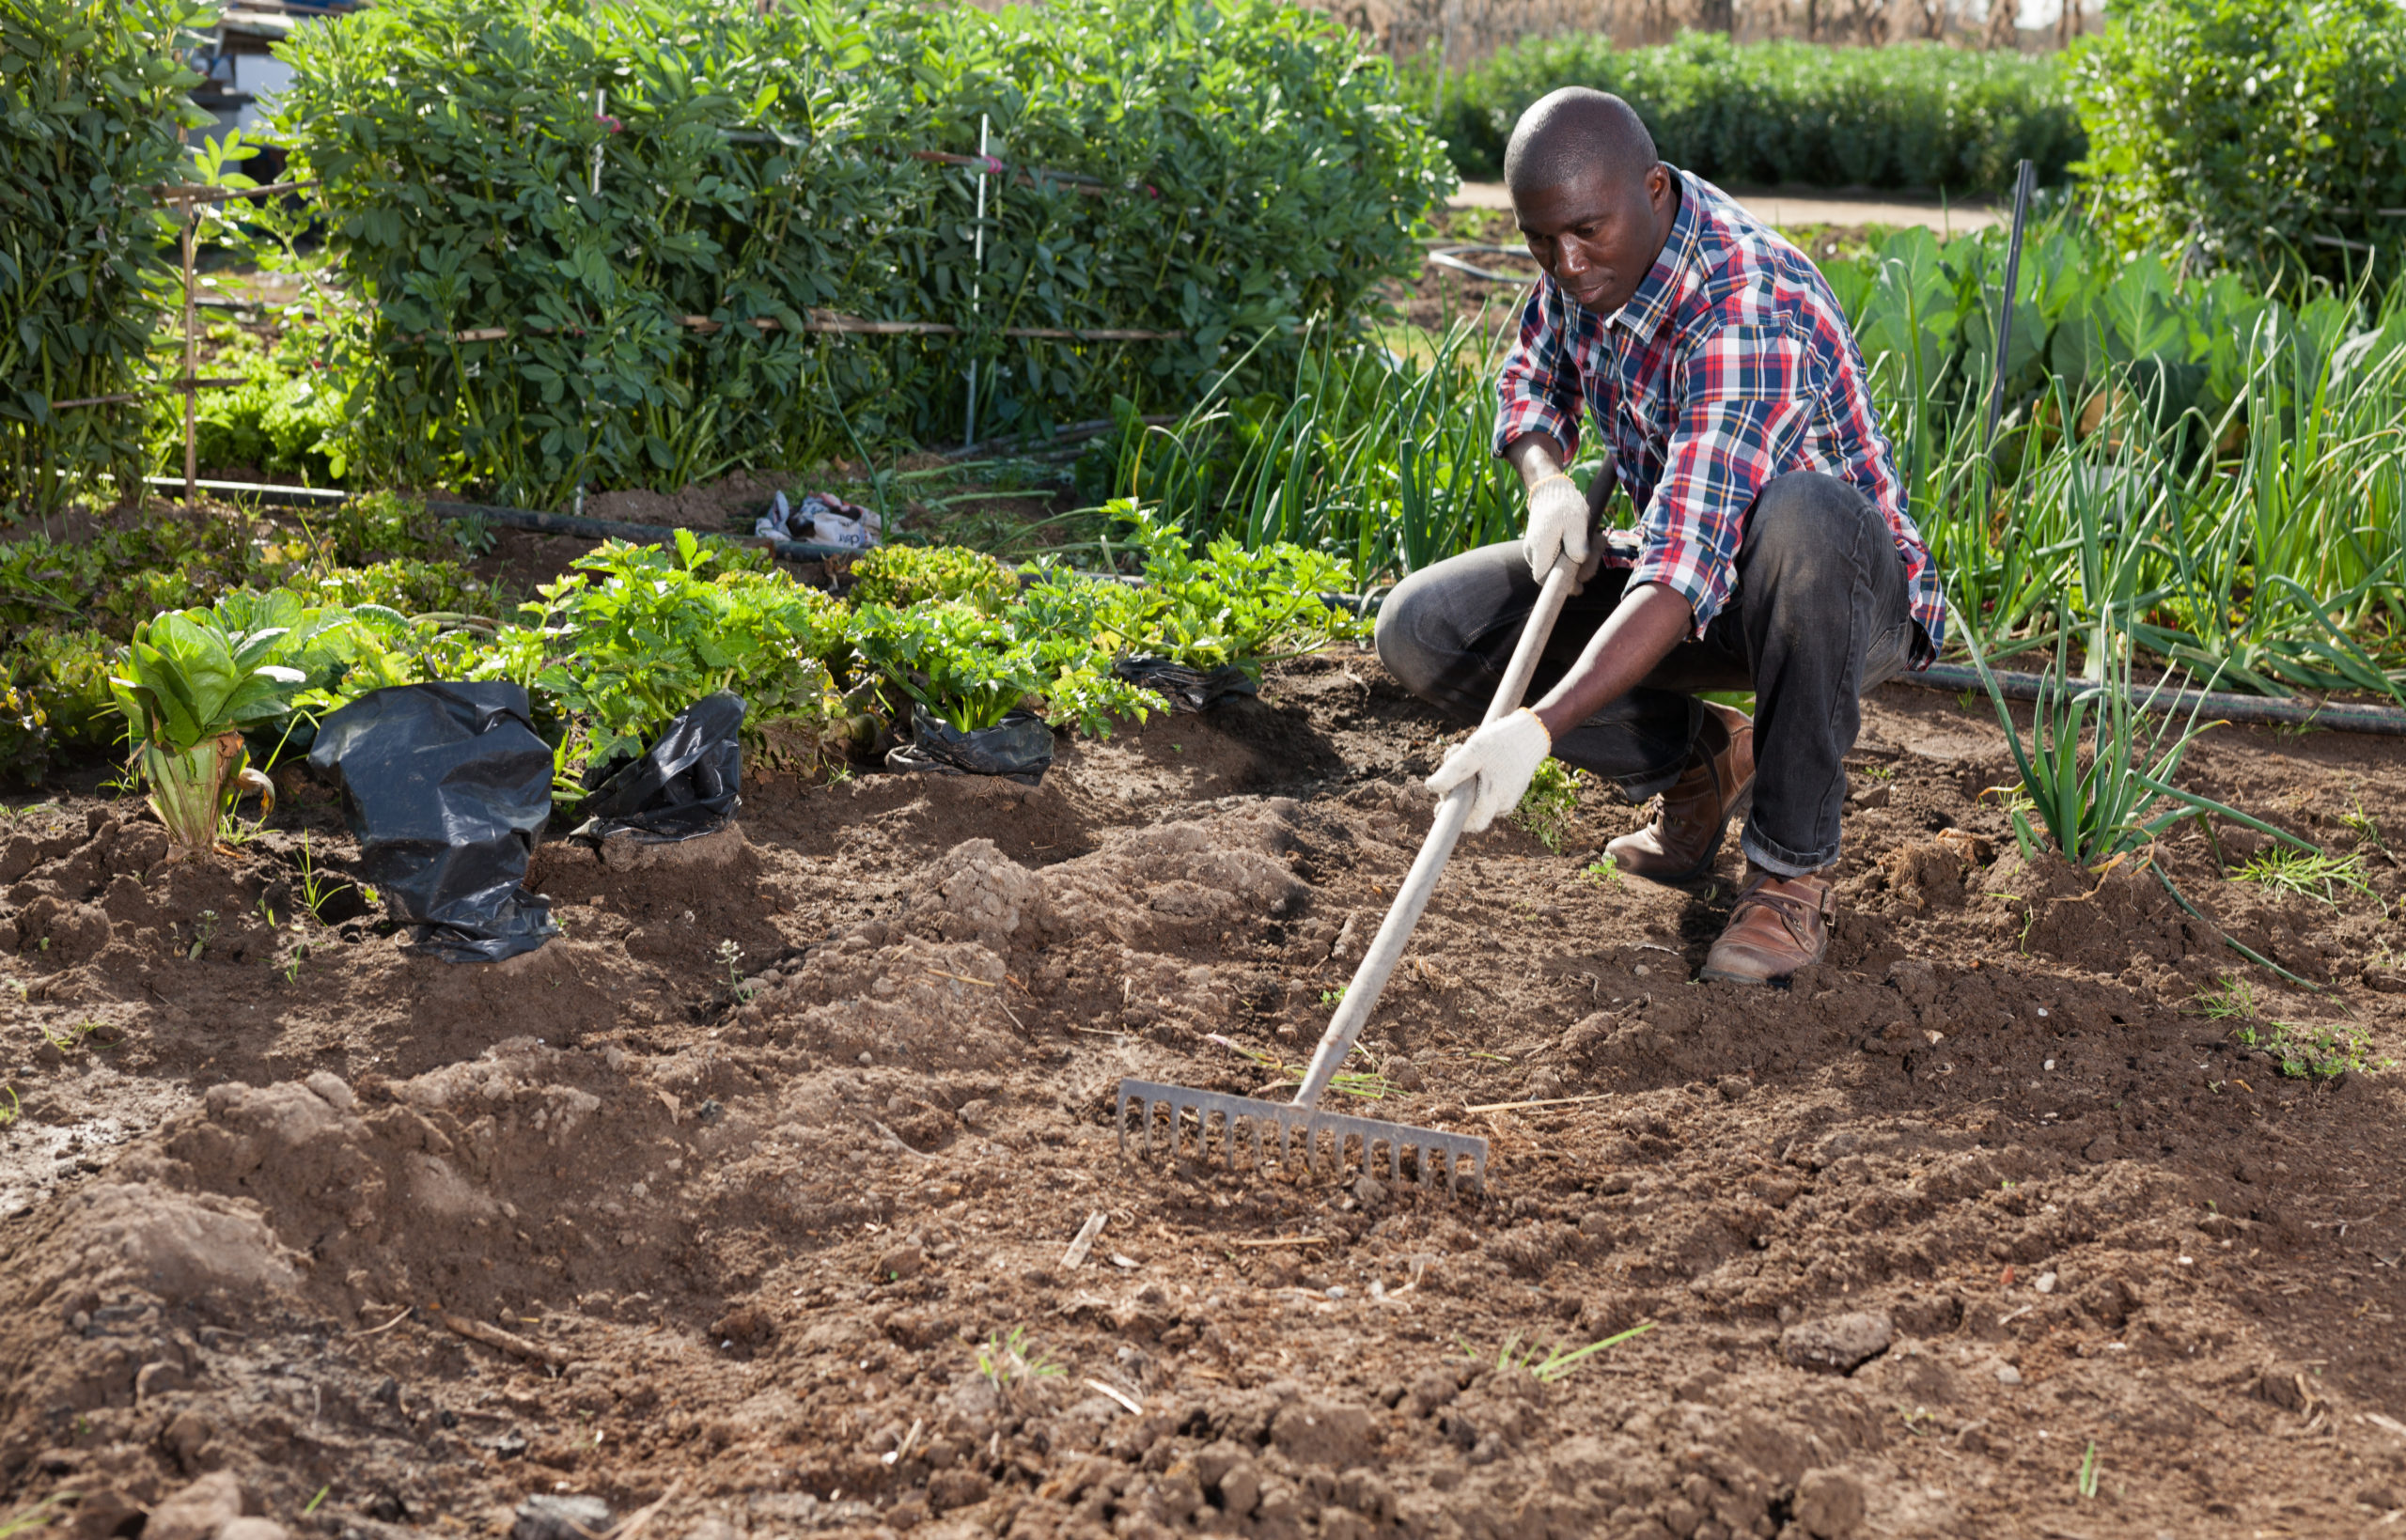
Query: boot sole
x=1739, y=807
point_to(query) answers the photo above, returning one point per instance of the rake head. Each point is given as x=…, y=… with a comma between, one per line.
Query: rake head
x=1183, y=1119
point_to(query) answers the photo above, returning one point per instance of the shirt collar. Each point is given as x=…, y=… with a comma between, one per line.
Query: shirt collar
x=1650, y=305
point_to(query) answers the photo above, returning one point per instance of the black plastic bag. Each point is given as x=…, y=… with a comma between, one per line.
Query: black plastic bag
x=445, y=786
x=685, y=784
x=1018, y=748
x=1187, y=690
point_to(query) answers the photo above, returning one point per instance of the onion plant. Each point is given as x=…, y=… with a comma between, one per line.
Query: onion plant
x=2096, y=780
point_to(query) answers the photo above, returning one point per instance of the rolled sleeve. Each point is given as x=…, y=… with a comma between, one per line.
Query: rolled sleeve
x=1747, y=400
x=1537, y=389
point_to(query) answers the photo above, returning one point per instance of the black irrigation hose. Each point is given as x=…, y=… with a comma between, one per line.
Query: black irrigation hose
x=2257, y=710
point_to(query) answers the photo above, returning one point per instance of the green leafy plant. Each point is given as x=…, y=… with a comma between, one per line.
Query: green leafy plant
x=1211, y=171
x=1602, y=869
x=14, y=1110
x=2084, y=1479
x=638, y=633
x=1922, y=116
x=194, y=679
x=2087, y=769
x=899, y=576
x=1553, y=1365
x=2311, y=1049
x=1551, y=804
x=93, y=100
x=973, y=669
x=1234, y=605
x=2226, y=122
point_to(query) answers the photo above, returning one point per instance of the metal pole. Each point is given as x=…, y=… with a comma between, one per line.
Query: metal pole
x=2024, y=177
x=192, y=359
x=977, y=279
x=598, y=97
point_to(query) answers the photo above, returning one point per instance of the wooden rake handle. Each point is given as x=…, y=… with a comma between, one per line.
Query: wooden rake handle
x=1395, y=932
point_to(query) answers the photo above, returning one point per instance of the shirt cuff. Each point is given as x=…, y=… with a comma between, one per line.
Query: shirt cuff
x=1704, y=598
x=1534, y=414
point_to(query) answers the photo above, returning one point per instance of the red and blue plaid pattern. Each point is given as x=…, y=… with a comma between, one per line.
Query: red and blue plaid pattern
x=1732, y=365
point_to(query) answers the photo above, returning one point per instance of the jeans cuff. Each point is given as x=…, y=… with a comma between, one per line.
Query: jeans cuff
x=1635, y=789
x=1776, y=857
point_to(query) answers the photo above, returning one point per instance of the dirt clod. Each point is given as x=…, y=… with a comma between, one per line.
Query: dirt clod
x=1838, y=1344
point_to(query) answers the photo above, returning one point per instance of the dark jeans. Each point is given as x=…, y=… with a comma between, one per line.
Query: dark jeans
x=1818, y=615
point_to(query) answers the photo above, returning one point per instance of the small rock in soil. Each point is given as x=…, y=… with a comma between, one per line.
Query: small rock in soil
x=253, y=1529
x=2008, y=1375
x=549, y=1517
x=901, y=1262
x=1829, y=1503
x=198, y=1511
x=1836, y=1343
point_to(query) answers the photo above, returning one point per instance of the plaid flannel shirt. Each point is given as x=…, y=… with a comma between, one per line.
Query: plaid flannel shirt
x=1730, y=366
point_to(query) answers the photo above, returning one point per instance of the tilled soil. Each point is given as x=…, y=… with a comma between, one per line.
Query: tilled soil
x=380, y=1244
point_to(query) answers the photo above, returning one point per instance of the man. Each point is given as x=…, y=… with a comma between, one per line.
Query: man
x=1772, y=551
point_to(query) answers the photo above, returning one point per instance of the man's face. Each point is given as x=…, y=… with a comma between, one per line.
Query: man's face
x=1596, y=238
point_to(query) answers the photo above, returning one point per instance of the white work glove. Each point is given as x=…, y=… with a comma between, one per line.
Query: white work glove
x=1502, y=756
x=1557, y=525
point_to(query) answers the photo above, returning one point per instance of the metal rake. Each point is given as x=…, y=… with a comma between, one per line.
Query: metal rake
x=1340, y=1137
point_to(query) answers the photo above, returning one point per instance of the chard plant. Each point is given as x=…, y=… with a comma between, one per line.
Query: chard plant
x=194, y=679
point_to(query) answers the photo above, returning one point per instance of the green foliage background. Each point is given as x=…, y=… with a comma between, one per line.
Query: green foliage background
x=1920, y=116
x=1254, y=169
x=2266, y=131
x=91, y=100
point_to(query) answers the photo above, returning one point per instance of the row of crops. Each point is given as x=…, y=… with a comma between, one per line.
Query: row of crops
x=612, y=652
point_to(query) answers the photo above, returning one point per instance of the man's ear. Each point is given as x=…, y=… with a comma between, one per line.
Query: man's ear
x=1658, y=187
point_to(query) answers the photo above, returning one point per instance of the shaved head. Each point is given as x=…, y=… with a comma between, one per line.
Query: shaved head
x=1573, y=134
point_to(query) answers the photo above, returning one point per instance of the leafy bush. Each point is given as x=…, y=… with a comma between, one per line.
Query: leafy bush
x=1919, y=116
x=285, y=419
x=91, y=100
x=54, y=700
x=1251, y=164
x=899, y=576
x=973, y=669
x=2266, y=130
x=639, y=633
x=409, y=587
x=1230, y=606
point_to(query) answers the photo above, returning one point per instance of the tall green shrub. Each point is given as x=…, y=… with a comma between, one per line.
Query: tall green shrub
x=1251, y=166
x=1919, y=116
x=2266, y=131
x=90, y=99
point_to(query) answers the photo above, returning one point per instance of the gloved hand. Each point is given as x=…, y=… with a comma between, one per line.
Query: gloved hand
x=1502, y=756
x=1557, y=524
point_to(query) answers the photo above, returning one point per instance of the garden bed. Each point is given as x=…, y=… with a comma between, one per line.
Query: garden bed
x=741, y=1232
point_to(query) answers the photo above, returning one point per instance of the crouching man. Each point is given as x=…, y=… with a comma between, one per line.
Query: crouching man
x=1772, y=551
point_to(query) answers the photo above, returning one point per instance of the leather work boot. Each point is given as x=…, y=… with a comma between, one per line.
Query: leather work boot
x=1780, y=924
x=1680, y=844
